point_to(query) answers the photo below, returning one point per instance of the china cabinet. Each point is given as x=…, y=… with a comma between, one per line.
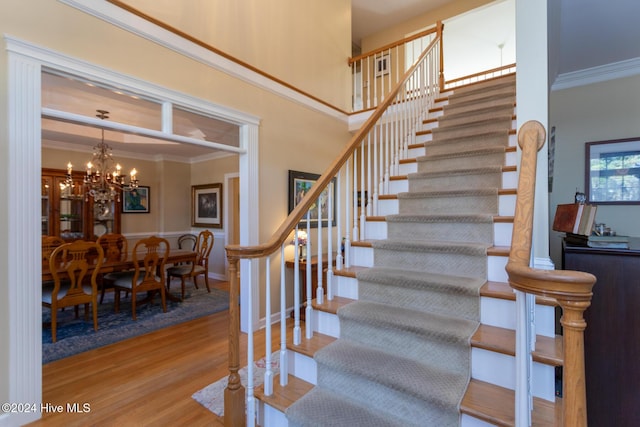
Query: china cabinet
x=67, y=213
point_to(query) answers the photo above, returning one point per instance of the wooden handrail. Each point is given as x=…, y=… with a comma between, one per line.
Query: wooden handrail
x=395, y=44
x=482, y=73
x=281, y=234
x=572, y=289
x=234, y=394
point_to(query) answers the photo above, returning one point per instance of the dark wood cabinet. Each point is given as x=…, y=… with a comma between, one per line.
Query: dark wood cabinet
x=612, y=336
x=67, y=213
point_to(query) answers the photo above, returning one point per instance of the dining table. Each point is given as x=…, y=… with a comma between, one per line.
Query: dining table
x=175, y=256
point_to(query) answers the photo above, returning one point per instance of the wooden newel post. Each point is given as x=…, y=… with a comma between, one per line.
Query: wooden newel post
x=441, y=74
x=574, y=392
x=234, y=394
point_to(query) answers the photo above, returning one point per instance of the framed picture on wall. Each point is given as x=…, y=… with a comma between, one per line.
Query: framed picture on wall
x=612, y=172
x=136, y=200
x=299, y=185
x=206, y=205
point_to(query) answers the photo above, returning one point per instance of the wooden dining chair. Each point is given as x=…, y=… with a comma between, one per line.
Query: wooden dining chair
x=49, y=243
x=203, y=247
x=188, y=241
x=115, y=250
x=149, y=257
x=74, y=267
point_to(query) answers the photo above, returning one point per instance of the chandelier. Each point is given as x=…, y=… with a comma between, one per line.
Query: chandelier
x=103, y=180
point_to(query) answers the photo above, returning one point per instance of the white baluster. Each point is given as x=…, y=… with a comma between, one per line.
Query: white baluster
x=339, y=255
x=320, y=290
x=355, y=235
x=268, y=374
x=330, y=243
x=297, y=332
x=284, y=364
x=309, y=309
x=362, y=198
x=347, y=239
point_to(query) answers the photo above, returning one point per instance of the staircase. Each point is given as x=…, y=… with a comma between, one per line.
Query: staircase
x=427, y=287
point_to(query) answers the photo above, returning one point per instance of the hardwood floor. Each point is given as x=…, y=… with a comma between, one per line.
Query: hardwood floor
x=147, y=380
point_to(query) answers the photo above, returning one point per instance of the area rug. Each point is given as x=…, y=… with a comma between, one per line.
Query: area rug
x=212, y=396
x=77, y=335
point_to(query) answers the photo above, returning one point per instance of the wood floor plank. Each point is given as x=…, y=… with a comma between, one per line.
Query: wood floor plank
x=147, y=380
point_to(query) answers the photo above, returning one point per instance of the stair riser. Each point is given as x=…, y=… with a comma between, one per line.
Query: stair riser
x=499, y=369
x=460, y=205
x=303, y=367
x=502, y=314
x=326, y=323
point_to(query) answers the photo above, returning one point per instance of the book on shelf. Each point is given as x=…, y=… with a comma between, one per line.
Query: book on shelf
x=575, y=218
x=610, y=242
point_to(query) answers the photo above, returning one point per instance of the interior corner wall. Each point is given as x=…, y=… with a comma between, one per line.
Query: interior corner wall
x=597, y=112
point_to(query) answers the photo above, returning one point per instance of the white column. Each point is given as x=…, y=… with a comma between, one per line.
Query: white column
x=22, y=167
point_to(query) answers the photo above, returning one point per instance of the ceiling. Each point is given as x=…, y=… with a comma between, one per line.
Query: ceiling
x=589, y=33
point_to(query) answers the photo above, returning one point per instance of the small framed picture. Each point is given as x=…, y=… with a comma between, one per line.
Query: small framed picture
x=136, y=200
x=206, y=205
x=299, y=185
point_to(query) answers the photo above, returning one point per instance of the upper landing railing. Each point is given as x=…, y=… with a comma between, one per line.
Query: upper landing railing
x=375, y=73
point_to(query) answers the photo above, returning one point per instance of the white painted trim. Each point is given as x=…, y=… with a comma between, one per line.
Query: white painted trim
x=601, y=73
x=143, y=28
x=62, y=63
x=26, y=62
x=24, y=275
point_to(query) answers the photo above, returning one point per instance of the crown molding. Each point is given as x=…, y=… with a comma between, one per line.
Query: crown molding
x=601, y=73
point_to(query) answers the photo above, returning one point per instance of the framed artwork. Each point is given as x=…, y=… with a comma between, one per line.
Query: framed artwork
x=383, y=65
x=612, y=172
x=206, y=205
x=299, y=185
x=136, y=200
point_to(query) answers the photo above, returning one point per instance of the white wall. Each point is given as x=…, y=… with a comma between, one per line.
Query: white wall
x=597, y=112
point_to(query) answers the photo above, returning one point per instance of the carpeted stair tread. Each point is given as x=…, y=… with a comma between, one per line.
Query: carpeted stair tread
x=471, y=152
x=323, y=408
x=437, y=293
x=453, y=218
x=414, y=391
x=447, y=193
x=414, y=279
x=500, y=136
x=468, y=171
x=480, y=119
x=421, y=324
x=463, y=117
x=473, y=249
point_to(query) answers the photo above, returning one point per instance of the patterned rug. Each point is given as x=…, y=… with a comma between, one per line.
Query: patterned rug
x=212, y=396
x=77, y=335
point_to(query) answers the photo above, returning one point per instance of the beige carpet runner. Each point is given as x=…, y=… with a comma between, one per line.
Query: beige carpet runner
x=403, y=357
